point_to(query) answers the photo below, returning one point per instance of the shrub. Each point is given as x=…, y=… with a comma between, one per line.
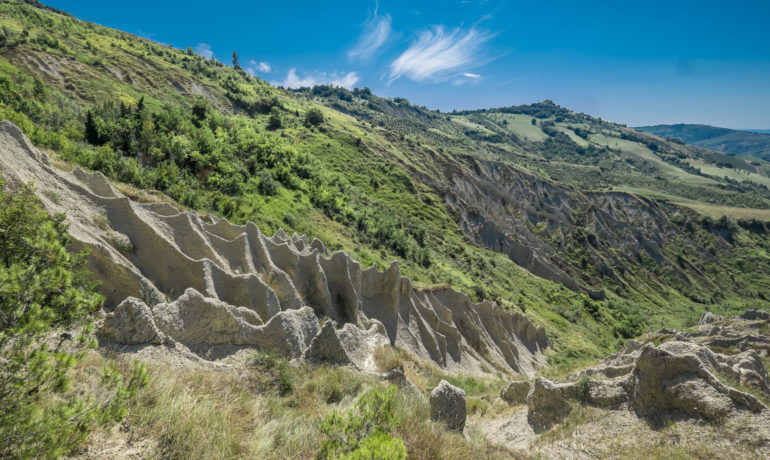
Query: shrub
x=275, y=121
x=288, y=219
x=365, y=431
x=42, y=285
x=314, y=117
x=267, y=185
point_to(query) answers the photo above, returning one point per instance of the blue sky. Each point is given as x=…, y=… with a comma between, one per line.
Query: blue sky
x=632, y=62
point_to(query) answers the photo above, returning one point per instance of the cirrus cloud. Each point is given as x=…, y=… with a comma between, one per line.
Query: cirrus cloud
x=376, y=33
x=436, y=54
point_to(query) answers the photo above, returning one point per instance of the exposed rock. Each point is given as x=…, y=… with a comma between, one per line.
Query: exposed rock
x=234, y=278
x=515, y=392
x=546, y=404
x=131, y=323
x=195, y=319
x=447, y=405
x=708, y=318
x=326, y=347
x=642, y=387
x=398, y=377
x=663, y=383
x=753, y=315
x=289, y=332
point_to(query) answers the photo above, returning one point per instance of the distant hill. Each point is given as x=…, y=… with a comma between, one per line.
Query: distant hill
x=730, y=141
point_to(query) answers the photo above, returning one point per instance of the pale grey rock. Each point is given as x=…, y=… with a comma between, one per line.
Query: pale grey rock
x=448, y=405
x=663, y=383
x=326, y=347
x=398, y=377
x=131, y=323
x=709, y=318
x=546, y=405
x=289, y=332
x=195, y=319
x=515, y=392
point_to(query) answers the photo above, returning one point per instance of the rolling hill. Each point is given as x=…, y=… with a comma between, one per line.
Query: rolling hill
x=730, y=141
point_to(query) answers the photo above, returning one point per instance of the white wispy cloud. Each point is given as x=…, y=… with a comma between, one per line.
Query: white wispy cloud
x=253, y=67
x=376, y=32
x=204, y=49
x=345, y=80
x=436, y=53
x=466, y=77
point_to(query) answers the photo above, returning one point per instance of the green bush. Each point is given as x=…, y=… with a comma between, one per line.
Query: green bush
x=275, y=121
x=267, y=185
x=314, y=117
x=365, y=431
x=42, y=286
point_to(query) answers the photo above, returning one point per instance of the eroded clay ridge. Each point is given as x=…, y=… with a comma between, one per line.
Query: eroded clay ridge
x=237, y=286
x=536, y=222
x=682, y=376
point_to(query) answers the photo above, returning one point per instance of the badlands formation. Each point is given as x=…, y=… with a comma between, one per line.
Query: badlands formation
x=238, y=288
x=205, y=288
x=668, y=386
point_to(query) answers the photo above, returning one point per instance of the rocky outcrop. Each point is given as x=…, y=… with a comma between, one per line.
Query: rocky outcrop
x=398, y=377
x=326, y=347
x=546, y=404
x=674, y=378
x=515, y=392
x=448, y=405
x=680, y=377
x=242, y=288
x=663, y=382
x=755, y=315
x=132, y=323
x=708, y=318
x=195, y=320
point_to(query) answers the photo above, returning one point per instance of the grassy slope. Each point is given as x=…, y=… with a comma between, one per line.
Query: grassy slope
x=370, y=145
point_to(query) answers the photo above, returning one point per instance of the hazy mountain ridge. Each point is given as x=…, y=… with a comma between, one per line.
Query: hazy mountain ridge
x=730, y=141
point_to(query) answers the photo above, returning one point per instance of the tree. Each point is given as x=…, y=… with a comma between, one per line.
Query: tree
x=200, y=110
x=42, y=285
x=275, y=121
x=236, y=65
x=267, y=185
x=92, y=132
x=314, y=117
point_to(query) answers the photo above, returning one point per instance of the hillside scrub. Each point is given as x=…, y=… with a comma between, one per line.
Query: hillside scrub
x=43, y=289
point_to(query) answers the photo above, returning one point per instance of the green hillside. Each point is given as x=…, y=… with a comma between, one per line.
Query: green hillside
x=730, y=141
x=455, y=197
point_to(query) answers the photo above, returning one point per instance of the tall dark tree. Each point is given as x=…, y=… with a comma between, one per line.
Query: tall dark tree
x=92, y=132
x=140, y=108
x=236, y=65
